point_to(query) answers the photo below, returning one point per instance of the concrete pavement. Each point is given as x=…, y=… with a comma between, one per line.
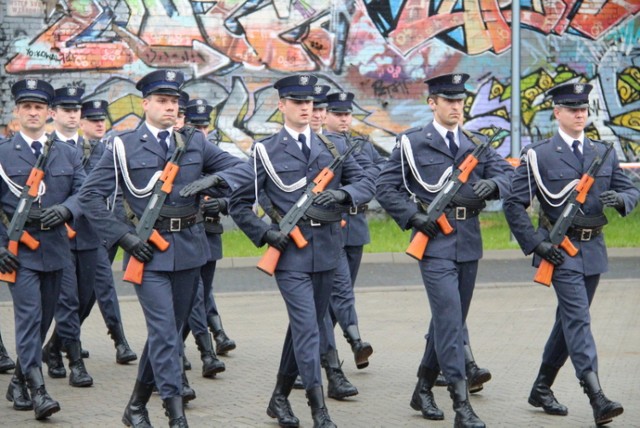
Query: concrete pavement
x=509, y=324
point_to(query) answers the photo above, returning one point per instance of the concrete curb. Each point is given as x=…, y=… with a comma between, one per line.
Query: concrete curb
x=243, y=262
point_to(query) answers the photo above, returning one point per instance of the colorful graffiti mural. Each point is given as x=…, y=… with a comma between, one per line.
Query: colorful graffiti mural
x=233, y=50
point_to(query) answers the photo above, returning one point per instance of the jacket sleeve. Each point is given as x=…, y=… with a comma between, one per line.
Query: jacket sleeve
x=79, y=176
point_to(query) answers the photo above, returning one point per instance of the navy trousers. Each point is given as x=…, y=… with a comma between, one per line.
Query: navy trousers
x=166, y=299
x=571, y=333
x=34, y=302
x=449, y=287
x=306, y=296
x=105, y=292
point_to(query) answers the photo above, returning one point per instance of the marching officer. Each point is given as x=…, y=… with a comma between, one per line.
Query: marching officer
x=38, y=271
x=78, y=278
x=93, y=125
x=182, y=108
x=319, y=113
x=170, y=277
x=198, y=114
x=416, y=172
x=285, y=162
x=355, y=235
x=550, y=169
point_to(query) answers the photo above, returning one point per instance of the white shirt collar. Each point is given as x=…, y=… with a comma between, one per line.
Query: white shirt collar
x=296, y=134
x=443, y=133
x=75, y=137
x=30, y=140
x=569, y=140
x=155, y=131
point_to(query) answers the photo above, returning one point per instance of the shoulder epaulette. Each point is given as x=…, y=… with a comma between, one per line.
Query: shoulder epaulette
x=533, y=145
x=412, y=130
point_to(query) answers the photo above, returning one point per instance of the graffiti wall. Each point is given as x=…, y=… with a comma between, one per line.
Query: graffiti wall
x=233, y=50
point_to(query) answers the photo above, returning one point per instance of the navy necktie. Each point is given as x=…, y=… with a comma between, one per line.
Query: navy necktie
x=576, y=151
x=452, y=143
x=162, y=140
x=72, y=142
x=37, y=148
x=305, y=149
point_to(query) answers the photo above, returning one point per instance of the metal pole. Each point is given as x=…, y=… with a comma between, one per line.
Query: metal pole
x=515, y=79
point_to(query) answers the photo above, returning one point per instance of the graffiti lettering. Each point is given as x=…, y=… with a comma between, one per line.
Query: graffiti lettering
x=380, y=89
x=51, y=56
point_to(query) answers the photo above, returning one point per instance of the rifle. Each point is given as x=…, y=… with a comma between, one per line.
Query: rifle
x=162, y=188
x=288, y=224
x=16, y=231
x=558, y=234
x=436, y=209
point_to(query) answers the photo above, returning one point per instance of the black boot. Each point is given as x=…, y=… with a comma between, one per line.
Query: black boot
x=361, y=350
x=319, y=412
x=188, y=393
x=422, y=398
x=6, y=363
x=174, y=410
x=279, y=406
x=78, y=375
x=465, y=416
x=52, y=357
x=476, y=376
x=43, y=405
x=124, y=353
x=211, y=365
x=338, y=386
x=604, y=410
x=136, y=414
x=18, y=392
x=541, y=394
x=223, y=343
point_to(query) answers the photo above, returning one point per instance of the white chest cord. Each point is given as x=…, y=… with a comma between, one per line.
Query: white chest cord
x=120, y=158
x=406, y=150
x=561, y=196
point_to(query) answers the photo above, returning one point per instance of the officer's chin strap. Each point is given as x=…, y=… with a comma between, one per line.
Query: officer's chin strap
x=405, y=149
x=561, y=196
x=120, y=158
x=16, y=189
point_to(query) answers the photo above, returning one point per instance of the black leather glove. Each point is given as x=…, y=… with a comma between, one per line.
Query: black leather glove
x=611, y=198
x=8, y=261
x=203, y=183
x=550, y=253
x=331, y=197
x=421, y=222
x=55, y=215
x=136, y=247
x=276, y=239
x=485, y=188
x=214, y=206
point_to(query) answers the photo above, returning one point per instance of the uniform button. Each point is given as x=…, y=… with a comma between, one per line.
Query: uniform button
x=144, y=163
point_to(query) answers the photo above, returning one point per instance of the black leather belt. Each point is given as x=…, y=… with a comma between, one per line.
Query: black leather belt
x=583, y=234
x=462, y=213
x=358, y=209
x=176, y=224
x=33, y=220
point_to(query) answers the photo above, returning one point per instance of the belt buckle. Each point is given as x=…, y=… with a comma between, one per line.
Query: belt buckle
x=314, y=223
x=353, y=210
x=43, y=227
x=461, y=213
x=210, y=219
x=175, y=225
x=586, y=234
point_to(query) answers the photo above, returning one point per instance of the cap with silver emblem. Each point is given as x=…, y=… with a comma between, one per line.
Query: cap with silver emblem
x=450, y=86
x=297, y=87
x=162, y=82
x=571, y=95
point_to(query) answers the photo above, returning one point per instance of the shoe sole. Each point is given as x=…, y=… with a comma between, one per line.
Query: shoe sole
x=608, y=417
x=126, y=360
x=535, y=403
x=213, y=372
x=362, y=357
x=15, y=407
x=225, y=349
x=342, y=396
x=48, y=412
x=478, y=383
